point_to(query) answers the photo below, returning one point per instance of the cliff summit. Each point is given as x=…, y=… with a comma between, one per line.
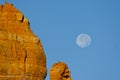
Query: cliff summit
x=21, y=53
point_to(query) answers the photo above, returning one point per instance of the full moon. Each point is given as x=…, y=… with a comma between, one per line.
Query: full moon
x=83, y=40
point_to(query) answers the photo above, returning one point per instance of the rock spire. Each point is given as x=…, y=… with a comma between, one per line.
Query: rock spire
x=60, y=71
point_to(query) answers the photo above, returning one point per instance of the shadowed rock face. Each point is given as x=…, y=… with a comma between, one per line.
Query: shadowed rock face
x=60, y=71
x=21, y=54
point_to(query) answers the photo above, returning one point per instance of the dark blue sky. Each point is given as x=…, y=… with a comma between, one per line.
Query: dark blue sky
x=58, y=23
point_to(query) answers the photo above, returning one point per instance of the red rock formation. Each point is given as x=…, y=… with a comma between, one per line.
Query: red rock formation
x=21, y=54
x=60, y=71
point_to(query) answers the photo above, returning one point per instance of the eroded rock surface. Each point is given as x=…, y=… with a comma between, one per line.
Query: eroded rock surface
x=60, y=71
x=21, y=54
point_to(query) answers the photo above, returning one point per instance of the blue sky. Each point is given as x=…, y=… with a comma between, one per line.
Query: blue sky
x=58, y=23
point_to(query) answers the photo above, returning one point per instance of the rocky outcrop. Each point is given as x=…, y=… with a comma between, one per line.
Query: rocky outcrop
x=21, y=54
x=60, y=71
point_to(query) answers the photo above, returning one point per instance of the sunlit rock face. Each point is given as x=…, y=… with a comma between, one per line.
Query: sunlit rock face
x=60, y=71
x=21, y=54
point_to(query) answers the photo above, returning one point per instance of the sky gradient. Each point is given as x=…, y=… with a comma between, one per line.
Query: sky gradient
x=58, y=23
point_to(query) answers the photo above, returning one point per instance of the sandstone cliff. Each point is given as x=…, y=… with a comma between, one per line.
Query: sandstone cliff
x=60, y=71
x=21, y=54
